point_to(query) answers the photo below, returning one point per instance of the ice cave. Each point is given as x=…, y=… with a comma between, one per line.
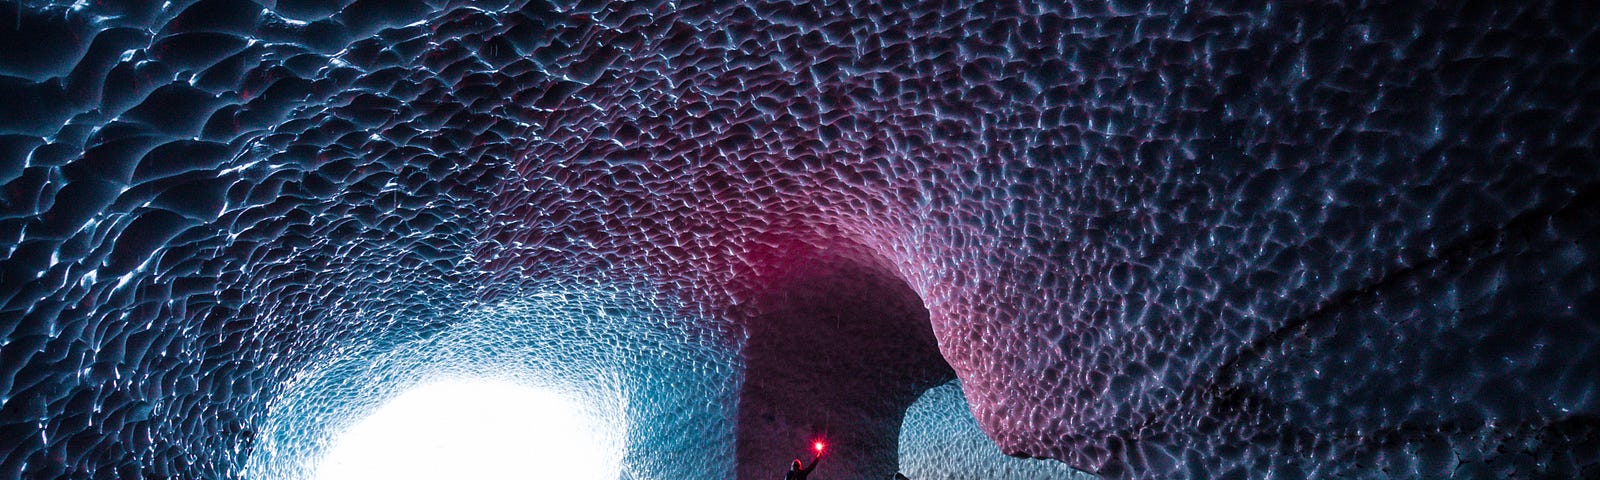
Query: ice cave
x=702, y=239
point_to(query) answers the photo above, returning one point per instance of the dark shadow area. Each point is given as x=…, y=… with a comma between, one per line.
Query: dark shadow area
x=839, y=347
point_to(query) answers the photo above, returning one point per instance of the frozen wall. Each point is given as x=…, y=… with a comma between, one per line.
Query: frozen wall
x=1152, y=239
x=939, y=440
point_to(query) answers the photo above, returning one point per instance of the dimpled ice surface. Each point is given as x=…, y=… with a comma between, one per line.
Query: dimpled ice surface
x=1151, y=239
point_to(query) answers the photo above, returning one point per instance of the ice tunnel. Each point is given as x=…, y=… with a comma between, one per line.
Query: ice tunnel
x=651, y=239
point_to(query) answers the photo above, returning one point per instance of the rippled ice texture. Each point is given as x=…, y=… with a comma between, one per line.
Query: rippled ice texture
x=939, y=440
x=1154, y=239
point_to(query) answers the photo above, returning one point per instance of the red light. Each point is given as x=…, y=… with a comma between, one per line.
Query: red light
x=819, y=446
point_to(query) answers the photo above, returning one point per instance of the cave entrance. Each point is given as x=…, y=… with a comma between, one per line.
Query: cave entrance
x=839, y=346
x=472, y=429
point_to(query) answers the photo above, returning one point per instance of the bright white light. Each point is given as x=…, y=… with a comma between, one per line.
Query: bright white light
x=477, y=430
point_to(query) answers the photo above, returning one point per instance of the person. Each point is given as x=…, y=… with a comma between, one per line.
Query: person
x=900, y=476
x=797, y=473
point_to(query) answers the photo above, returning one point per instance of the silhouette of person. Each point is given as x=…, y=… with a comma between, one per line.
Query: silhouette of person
x=797, y=473
x=900, y=476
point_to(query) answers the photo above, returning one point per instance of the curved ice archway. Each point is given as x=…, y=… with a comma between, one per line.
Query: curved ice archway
x=1153, y=239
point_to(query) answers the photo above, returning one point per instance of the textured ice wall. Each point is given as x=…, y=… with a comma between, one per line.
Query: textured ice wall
x=1154, y=239
x=939, y=440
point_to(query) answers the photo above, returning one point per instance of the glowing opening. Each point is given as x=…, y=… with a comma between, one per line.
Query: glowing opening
x=480, y=430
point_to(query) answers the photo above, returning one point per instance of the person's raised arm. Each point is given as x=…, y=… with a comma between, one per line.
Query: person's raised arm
x=813, y=465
